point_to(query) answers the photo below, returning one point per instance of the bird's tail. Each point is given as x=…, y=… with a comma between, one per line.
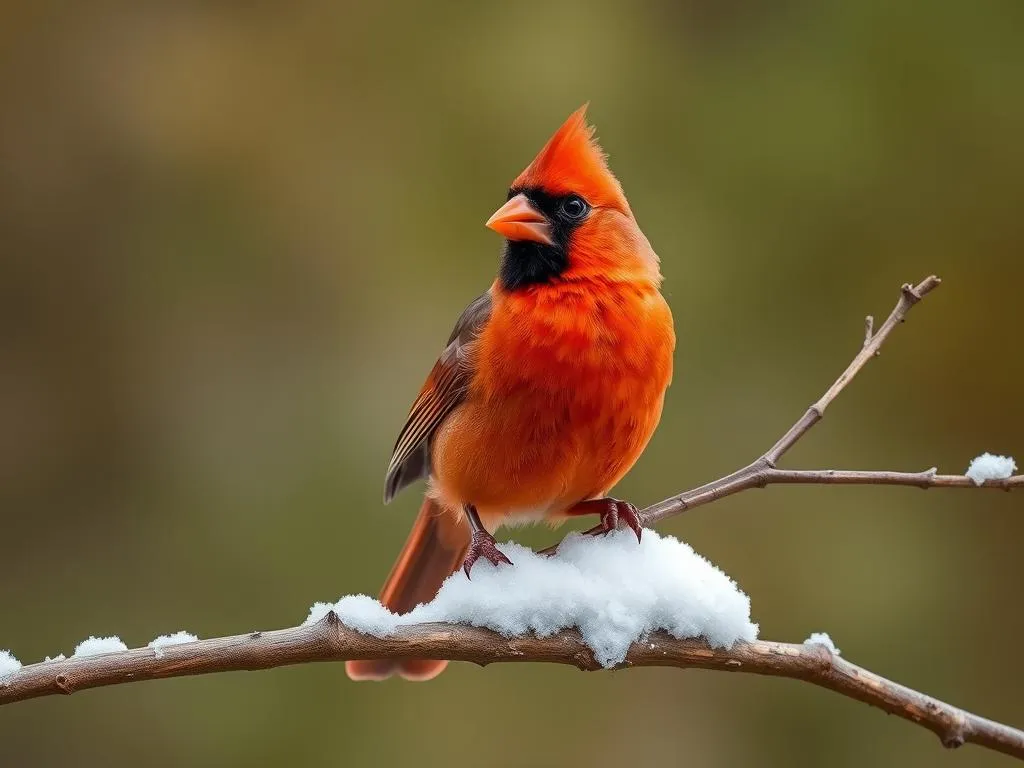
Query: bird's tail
x=435, y=548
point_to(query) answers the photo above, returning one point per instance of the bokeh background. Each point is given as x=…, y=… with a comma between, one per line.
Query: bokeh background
x=234, y=236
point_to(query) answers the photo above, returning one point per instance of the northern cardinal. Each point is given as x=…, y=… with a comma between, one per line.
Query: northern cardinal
x=549, y=387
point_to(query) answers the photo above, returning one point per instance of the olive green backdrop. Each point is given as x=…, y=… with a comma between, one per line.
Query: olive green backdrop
x=233, y=237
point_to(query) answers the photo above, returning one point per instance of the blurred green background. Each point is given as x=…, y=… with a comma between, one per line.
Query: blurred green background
x=234, y=236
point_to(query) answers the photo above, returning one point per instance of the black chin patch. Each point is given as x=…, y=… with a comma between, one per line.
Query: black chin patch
x=526, y=262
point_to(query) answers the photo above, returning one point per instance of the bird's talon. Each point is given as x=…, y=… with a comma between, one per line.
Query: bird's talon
x=483, y=545
x=623, y=511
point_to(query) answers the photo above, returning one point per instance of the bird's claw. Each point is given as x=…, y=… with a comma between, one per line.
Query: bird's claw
x=618, y=511
x=483, y=545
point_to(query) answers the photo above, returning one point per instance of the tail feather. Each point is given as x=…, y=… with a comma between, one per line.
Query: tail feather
x=435, y=548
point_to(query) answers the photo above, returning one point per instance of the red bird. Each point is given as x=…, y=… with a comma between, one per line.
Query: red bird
x=551, y=384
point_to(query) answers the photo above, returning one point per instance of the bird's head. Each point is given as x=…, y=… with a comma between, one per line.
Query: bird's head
x=567, y=217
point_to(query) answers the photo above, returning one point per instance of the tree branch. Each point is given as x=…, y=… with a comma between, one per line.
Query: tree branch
x=330, y=640
x=762, y=471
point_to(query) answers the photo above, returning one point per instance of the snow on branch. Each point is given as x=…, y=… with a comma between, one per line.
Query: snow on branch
x=612, y=589
x=601, y=603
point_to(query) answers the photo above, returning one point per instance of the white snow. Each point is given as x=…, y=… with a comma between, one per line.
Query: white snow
x=991, y=467
x=178, y=638
x=58, y=657
x=613, y=589
x=97, y=645
x=8, y=664
x=822, y=638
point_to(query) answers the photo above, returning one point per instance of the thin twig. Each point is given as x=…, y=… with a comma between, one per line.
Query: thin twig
x=762, y=471
x=330, y=640
x=909, y=296
x=757, y=475
x=927, y=479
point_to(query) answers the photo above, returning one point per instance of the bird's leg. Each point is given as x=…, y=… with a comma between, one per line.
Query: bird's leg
x=482, y=544
x=612, y=512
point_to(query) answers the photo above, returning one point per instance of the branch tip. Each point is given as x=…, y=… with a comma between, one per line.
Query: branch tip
x=910, y=293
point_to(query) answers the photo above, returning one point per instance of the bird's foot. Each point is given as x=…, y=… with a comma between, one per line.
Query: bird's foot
x=613, y=512
x=483, y=545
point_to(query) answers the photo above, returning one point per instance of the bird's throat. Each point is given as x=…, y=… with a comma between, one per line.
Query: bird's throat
x=525, y=263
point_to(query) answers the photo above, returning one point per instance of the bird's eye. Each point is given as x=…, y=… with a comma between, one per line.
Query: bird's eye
x=575, y=207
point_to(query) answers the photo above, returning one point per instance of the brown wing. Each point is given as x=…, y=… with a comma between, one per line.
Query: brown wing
x=445, y=387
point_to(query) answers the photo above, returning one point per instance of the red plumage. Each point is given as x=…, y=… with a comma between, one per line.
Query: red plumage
x=552, y=382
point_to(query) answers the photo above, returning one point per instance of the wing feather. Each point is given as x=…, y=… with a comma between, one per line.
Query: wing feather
x=445, y=388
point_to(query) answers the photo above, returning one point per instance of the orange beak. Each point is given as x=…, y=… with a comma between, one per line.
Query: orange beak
x=519, y=220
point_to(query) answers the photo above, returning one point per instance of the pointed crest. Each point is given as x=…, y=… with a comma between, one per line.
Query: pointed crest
x=572, y=161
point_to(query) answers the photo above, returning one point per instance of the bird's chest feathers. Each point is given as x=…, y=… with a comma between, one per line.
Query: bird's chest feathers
x=576, y=349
